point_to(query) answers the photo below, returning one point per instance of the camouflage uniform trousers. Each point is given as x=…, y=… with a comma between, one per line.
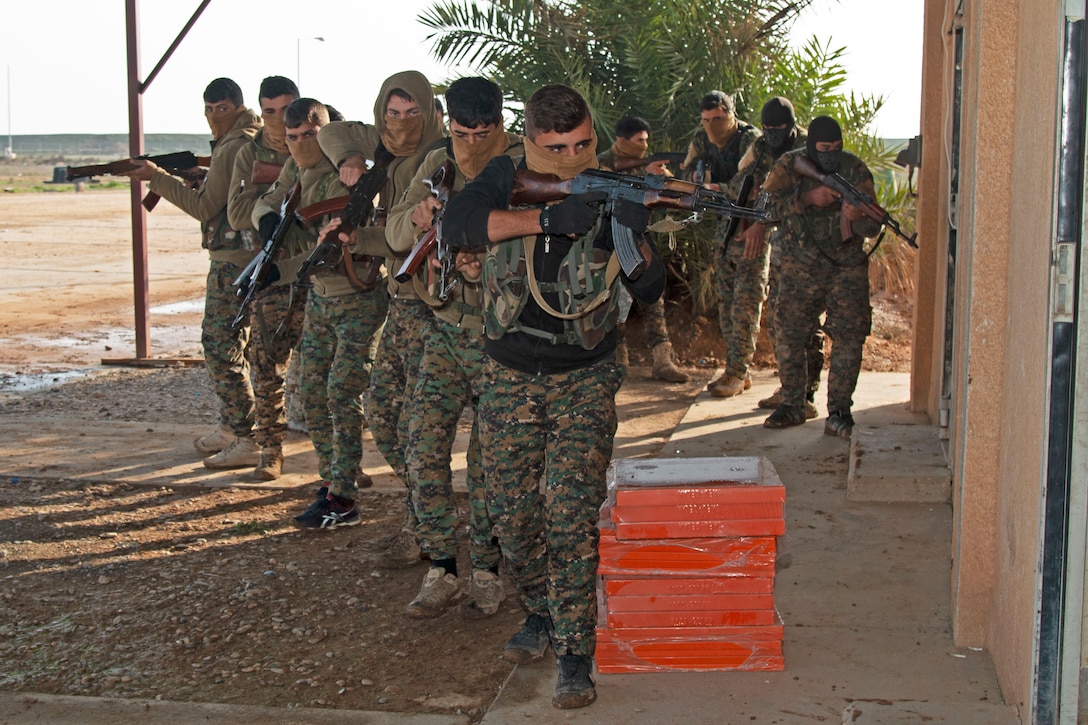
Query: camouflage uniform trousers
x=560, y=427
x=742, y=286
x=393, y=379
x=225, y=349
x=815, y=347
x=810, y=285
x=338, y=339
x=292, y=394
x=449, y=379
x=653, y=324
x=276, y=325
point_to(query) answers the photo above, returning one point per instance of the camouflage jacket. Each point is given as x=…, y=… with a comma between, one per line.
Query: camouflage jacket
x=804, y=228
x=759, y=160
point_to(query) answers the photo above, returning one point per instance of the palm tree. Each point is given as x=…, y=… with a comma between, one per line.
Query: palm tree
x=656, y=60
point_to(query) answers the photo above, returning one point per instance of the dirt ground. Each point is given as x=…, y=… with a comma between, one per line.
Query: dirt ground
x=186, y=593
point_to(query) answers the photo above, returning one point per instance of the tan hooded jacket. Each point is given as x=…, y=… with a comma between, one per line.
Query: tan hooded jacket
x=243, y=192
x=343, y=139
x=208, y=204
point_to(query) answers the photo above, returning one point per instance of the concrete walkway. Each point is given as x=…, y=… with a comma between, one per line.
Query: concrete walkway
x=865, y=598
x=863, y=590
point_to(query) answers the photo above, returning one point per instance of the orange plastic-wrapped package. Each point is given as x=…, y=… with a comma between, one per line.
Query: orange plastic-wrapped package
x=687, y=560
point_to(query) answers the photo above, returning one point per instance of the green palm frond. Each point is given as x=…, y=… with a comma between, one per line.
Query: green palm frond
x=657, y=60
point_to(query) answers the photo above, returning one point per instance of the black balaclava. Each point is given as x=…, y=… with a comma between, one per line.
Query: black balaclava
x=824, y=129
x=777, y=112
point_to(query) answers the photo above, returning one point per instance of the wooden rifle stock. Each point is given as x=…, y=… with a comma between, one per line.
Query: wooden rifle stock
x=323, y=208
x=422, y=249
x=853, y=196
x=264, y=172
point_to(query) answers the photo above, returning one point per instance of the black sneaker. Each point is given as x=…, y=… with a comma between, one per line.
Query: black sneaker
x=839, y=424
x=531, y=641
x=327, y=513
x=575, y=686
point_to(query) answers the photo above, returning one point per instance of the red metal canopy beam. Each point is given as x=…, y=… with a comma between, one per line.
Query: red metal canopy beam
x=136, y=88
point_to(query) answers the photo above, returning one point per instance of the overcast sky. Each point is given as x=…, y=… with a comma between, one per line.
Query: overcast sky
x=66, y=58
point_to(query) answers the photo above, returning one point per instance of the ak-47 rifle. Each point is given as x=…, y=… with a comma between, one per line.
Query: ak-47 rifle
x=254, y=277
x=439, y=184
x=742, y=198
x=854, y=196
x=330, y=252
x=264, y=172
x=652, y=191
x=670, y=157
x=323, y=208
x=183, y=164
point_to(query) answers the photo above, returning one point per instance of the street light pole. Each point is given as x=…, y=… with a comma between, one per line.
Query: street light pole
x=298, y=59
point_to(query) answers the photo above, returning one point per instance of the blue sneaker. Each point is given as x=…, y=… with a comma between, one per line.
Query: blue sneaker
x=328, y=513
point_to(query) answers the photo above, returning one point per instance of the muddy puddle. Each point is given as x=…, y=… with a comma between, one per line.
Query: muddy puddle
x=30, y=362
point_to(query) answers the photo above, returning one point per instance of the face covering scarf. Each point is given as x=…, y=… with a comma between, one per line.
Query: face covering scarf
x=545, y=161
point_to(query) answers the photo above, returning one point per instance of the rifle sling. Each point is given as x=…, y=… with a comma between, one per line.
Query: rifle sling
x=611, y=272
x=349, y=264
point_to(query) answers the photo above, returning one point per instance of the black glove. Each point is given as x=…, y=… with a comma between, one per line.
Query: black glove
x=270, y=278
x=266, y=227
x=634, y=216
x=574, y=215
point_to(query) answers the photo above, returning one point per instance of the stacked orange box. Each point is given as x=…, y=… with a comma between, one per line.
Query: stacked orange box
x=686, y=580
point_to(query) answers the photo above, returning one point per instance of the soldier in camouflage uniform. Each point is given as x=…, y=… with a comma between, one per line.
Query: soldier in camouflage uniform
x=407, y=126
x=625, y=156
x=233, y=126
x=548, y=410
x=340, y=325
x=269, y=307
x=449, y=371
x=720, y=145
x=824, y=269
x=780, y=134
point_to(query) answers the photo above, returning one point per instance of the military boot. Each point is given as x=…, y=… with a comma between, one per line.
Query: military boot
x=664, y=367
x=214, y=442
x=622, y=358
x=269, y=464
x=241, y=453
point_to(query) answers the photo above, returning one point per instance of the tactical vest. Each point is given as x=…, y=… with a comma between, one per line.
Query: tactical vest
x=723, y=163
x=587, y=303
x=216, y=233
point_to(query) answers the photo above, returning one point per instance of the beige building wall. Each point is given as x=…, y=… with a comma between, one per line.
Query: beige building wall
x=1000, y=365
